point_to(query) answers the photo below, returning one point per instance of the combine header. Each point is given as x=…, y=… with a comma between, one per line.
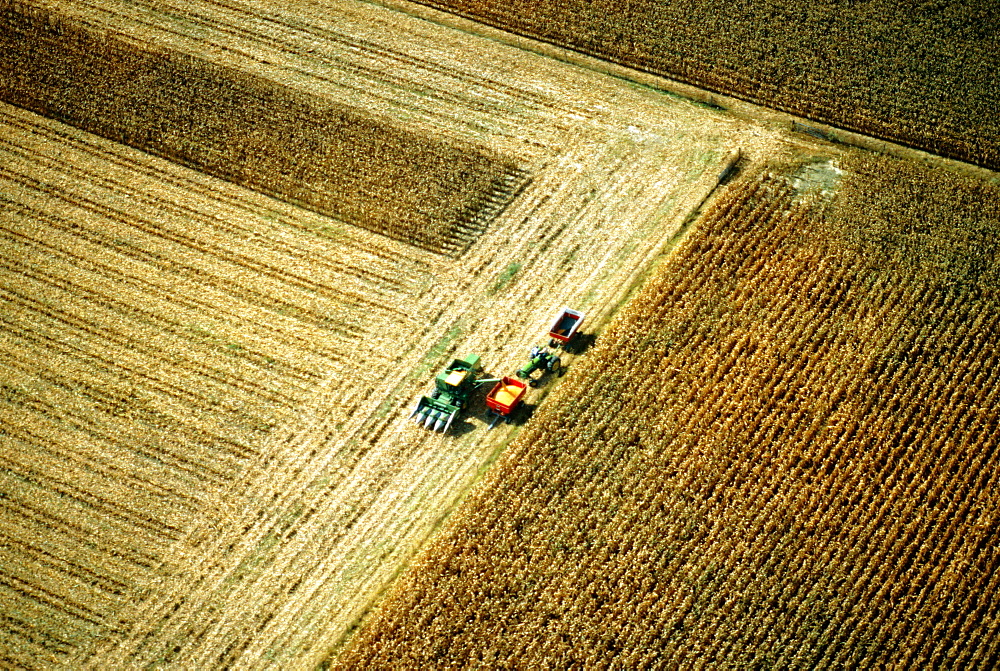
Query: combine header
x=452, y=389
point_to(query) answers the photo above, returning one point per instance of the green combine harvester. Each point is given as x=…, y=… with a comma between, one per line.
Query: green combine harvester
x=452, y=389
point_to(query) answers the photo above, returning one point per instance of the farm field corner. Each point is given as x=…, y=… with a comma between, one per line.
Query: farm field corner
x=219, y=381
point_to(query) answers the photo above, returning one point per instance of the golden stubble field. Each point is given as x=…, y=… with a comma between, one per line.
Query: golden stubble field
x=207, y=460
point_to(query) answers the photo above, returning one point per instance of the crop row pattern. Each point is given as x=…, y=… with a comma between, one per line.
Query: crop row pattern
x=920, y=74
x=436, y=194
x=783, y=452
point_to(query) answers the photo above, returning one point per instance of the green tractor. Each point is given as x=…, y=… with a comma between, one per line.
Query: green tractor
x=452, y=389
x=539, y=359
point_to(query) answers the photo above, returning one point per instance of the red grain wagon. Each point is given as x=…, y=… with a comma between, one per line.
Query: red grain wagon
x=565, y=326
x=504, y=398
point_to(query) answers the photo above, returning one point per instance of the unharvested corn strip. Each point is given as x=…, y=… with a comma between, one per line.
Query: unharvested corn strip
x=252, y=131
x=782, y=452
x=924, y=77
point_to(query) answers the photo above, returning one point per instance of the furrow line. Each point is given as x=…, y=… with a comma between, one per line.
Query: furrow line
x=107, y=470
x=213, y=251
x=211, y=442
x=356, y=42
x=159, y=204
x=30, y=632
x=162, y=385
x=52, y=600
x=87, y=263
x=99, y=542
x=103, y=507
x=158, y=326
x=291, y=54
x=208, y=192
x=120, y=347
x=201, y=473
x=42, y=556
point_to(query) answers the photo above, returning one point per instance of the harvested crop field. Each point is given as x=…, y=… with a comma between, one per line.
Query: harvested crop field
x=239, y=240
x=252, y=131
x=154, y=332
x=219, y=380
x=917, y=73
x=782, y=453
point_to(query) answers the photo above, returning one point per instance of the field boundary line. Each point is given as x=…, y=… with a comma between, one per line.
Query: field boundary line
x=736, y=107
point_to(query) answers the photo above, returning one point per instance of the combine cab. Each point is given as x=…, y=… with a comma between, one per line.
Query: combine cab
x=452, y=389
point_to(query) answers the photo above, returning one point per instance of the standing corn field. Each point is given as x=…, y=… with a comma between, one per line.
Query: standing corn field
x=920, y=74
x=782, y=453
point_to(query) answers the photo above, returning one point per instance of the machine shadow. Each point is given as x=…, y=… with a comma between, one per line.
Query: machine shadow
x=581, y=343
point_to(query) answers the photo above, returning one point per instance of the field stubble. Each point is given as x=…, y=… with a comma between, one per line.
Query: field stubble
x=782, y=453
x=316, y=334
x=253, y=131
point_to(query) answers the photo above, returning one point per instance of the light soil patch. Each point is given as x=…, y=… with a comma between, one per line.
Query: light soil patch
x=279, y=559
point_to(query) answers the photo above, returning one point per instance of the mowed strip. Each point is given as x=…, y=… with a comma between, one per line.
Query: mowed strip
x=156, y=325
x=298, y=147
x=783, y=452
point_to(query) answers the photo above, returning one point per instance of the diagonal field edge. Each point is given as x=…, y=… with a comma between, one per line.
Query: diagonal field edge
x=831, y=65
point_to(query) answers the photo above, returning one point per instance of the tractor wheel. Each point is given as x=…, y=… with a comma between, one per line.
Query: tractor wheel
x=555, y=364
